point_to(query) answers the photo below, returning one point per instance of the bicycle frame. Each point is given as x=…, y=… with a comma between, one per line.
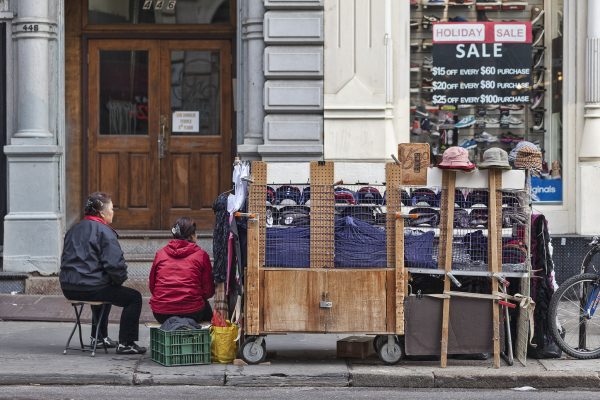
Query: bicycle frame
x=592, y=301
x=586, y=265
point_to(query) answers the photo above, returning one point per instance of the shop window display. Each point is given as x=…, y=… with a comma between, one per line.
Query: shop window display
x=478, y=128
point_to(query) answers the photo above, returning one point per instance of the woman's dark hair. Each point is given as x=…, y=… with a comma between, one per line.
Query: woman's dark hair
x=96, y=203
x=184, y=228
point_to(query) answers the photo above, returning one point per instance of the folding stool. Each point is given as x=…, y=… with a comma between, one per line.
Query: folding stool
x=78, y=308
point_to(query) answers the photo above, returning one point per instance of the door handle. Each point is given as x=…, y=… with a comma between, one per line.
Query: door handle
x=162, y=138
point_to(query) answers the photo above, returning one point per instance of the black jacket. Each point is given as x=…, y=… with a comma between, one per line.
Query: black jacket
x=92, y=258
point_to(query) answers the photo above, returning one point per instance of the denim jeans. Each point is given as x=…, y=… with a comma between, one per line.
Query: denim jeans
x=120, y=296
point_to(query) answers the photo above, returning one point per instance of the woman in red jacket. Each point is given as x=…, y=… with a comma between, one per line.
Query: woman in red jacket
x=181, y=277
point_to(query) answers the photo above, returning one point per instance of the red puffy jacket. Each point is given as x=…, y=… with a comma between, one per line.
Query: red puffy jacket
x=180, y=279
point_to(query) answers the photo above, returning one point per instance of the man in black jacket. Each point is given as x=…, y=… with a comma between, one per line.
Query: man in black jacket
x=93, y=269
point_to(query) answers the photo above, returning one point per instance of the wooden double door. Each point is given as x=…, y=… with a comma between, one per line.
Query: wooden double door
x=159, y=128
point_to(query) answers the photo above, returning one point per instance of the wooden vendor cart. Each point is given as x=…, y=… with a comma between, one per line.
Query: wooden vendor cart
x=323, y=295
x=321, y=298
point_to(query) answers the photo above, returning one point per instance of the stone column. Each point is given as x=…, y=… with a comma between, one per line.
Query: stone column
x=589, y=150
x=253, y=78
x=366, y=106
x=33, y=225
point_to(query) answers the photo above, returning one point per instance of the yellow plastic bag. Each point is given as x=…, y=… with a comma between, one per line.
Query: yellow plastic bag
x=223, y=346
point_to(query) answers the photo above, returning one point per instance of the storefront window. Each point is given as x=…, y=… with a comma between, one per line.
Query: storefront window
x=549, y=187
x=108, y=12
x=195, y=90
x=123, y=92
x=477, y=126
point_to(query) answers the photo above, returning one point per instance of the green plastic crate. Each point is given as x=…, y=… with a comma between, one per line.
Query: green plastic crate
x=180, y=347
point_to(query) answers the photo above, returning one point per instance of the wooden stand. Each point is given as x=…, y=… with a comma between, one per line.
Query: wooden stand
x=321, y=298
x=445, y=253
x=494, y=244
x=523, y=320
x=494, y=255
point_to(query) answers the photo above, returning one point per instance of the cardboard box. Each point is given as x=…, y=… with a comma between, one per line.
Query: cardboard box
x=355, y=347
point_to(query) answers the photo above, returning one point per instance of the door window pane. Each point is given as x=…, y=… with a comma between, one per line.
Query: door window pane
x=195, y=92
x=123, y=92
x=106, y=12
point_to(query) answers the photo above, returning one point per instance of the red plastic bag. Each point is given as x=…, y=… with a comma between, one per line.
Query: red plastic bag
x=218, y=320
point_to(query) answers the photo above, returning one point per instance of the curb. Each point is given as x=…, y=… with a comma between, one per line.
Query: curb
x=543, y=380
x=412, y=380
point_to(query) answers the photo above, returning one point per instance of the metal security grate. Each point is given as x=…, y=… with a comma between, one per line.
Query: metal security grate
x=568, y=254
x=470, y=227
x=11, y=286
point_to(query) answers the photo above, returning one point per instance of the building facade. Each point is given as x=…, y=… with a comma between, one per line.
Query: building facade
x=152, y=100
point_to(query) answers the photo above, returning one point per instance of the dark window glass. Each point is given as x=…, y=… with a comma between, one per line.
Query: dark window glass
x=123, y=92
x=195, y=92
x=105, y=12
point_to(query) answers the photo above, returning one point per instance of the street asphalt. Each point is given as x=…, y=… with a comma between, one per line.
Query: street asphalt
x=31, y=353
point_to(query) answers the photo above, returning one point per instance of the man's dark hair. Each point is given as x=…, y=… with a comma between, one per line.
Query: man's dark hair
x=184, y=228
x=96, y=203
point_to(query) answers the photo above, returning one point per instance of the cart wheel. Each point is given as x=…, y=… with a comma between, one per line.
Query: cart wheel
x=252, y=354
x=390, y=354
x=378, y=341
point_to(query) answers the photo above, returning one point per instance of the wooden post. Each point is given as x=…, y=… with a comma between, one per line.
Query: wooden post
x=525, y=290
x=257, y=197
x=400, y=275
x=322, y=215
x=494, y=255
x=445, y=251
x=395, y=242
x=393, y=178
x=252, y=292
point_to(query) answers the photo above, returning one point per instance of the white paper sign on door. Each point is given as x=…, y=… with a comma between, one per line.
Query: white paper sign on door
x=186, y=121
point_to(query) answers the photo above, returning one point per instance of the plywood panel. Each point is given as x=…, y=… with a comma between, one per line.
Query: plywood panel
x=359, y=300
x=287, y=301
x=180, y=180
x=210, y=178
x=138, y=192
x=108, y=176
x=253, y=295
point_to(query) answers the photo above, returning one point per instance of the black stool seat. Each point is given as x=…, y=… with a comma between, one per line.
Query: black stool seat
x=78, y=307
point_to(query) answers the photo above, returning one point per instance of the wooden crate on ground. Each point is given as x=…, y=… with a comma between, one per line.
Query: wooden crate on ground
x=355, y=347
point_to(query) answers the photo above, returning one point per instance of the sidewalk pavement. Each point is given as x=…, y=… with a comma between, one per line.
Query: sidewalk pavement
x=32, y=353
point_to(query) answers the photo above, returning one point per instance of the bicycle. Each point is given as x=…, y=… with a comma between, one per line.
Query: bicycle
x=574, y=325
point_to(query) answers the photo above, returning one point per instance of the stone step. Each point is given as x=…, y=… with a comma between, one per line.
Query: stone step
x=50, y=286
x=144, y=244
x=139, y=248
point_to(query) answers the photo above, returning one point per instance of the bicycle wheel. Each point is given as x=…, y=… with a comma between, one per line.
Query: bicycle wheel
x=575, y=327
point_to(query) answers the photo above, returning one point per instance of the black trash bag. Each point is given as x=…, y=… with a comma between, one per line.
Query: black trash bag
x=542, y=290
